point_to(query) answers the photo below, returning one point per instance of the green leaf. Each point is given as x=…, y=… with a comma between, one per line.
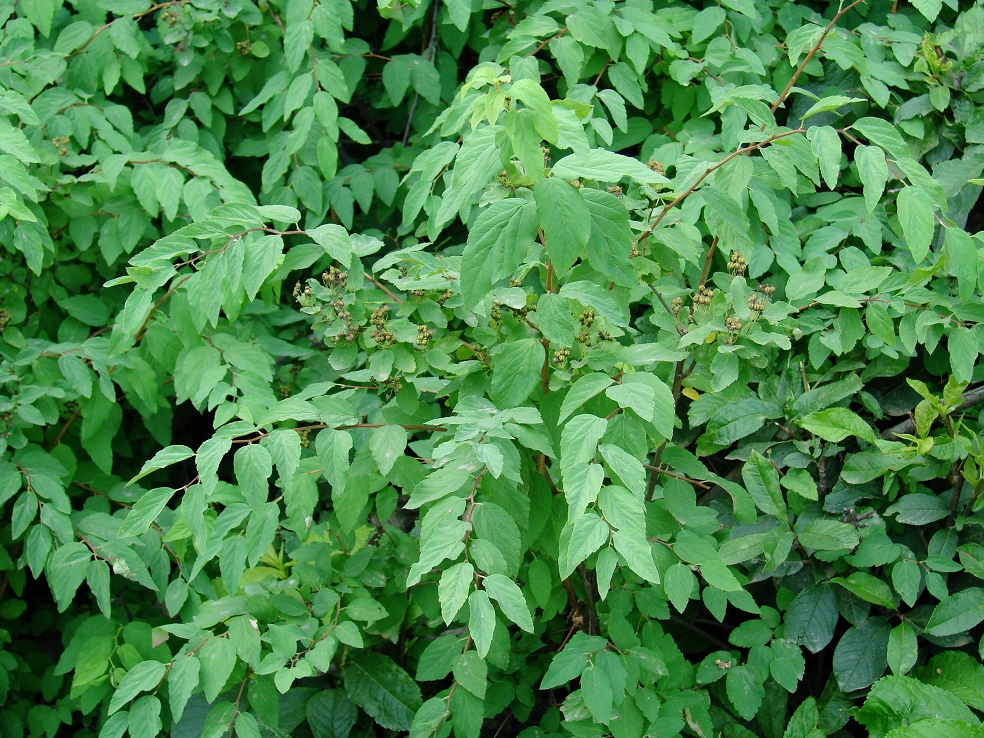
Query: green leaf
x=812, y=617
x=333, y=450
x=826, y=144
x=143, y=677
x=915, y=211
x=66, y=570
x=145, y=716
x=481, y=621
x=679, y=583
x=164, y=458
x=787, y=665
x=336, y=242
x=253, y=465
x=596, y=690
x=868, y=588
x=745, y=690
x=583, y=537
x=182, y=681
x=554, y=319
x=218, y=658
x=436, y=659
x=284, y=445
x=929, y=8
x=964, y=348
x=385, y=691
x=826, y=104
x=918, y=508
x=873, y=170
x=829, y=535
x=804, y=722
x=837, y=423
x=145, y=512
x=453, y=589
x=762, y=482
x=611, y=240
x=903, y=648
x=571, y=661
x=627, y=467
x=861, y=655
x=516, y=371
x=583, y=390
x=471, y=672
x=565, y=220
x=959, y=674
x=387, y=444
x=605, y=166
x=497, y=243
x=14, y=142
x=330, y=714
x=510, y=598
x=958, y=613
x=208, y=458
x=579, y=441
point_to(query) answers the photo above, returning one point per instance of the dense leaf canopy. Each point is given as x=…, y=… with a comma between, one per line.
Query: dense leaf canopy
x=491, y=367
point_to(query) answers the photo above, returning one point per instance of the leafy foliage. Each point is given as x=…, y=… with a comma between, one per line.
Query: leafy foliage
x=474, y=367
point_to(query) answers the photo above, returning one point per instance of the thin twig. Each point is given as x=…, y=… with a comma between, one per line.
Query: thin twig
x=967, y=399
x=810, y=54
x=707, y=261
x=383, y=287
x=668, y=473
x=708, y=172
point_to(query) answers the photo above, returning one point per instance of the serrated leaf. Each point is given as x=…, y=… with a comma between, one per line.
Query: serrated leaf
x=143, y=514
x=583, y=390
x=453, y=589
x=837, y=423
x=873, y=170
x=510, y=598
x=958, y=613
x=384, y=690
x=915, y=212
x=164, y=458
x=481, y=621
x=497, y=243
x=812, y=617
x=387, y=445
x=141, y=678
x=861, y=655
x=565, y=220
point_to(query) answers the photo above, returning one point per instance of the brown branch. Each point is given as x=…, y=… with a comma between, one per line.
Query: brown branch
x=967, y=399
x=140, y=333
x=383, y=287
x=546, y=41
x=65, y=426
x=710, y=170
x=668, y=473
x=707, y=261
x=810, y=54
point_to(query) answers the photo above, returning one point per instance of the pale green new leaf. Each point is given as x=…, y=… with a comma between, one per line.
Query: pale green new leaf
x=143, y=677
x=510, y=598
x=481, y=621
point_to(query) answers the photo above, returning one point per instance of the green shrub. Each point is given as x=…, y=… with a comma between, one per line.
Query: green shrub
x=491, y=368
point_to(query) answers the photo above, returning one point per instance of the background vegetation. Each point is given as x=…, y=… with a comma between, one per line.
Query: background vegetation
x=491, y=367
